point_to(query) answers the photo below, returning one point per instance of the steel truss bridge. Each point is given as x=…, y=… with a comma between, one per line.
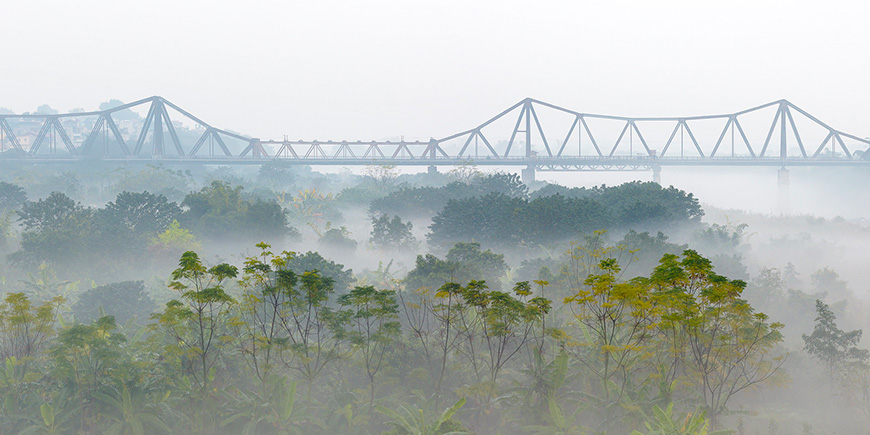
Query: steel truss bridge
x=531, y=133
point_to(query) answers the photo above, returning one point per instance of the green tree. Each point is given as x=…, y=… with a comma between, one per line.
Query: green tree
x=25, y=327
x=220, y=210
x=341, y=278
x=57, y=230
x=717, y=342
x=140, y=213
x=123, y=300
x=836, y=349
x=86, y=357
x=392, y=234
x=195, y=325
x=12, y=196
x=266, y=284
x=373, y=327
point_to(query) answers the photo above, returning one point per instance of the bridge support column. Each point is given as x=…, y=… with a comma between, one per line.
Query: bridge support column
x=432, y=169
x=657, y=174
x=528, y=174
x=782, y=203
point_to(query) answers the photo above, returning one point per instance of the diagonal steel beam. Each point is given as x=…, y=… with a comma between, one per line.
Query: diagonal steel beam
x=10, y=136
x=117, y=133
x=824, y=142
x=467, y=142
x=63, y=136
x=220, y=142
x=199, y=143
x=37, y=143
x=568, y=136
x=514, y=134
x=843, y=146
x=486, y=142
x=591, y=138
x=149, y=118
x=721, y=136
x=540, y=130
x=797, y=135
x=642, y=140
x=671, y=139
x=694, y=141
x=619, y=139
x=92, y=136
x=743, y=135
x=770, y=133
x=171, y=129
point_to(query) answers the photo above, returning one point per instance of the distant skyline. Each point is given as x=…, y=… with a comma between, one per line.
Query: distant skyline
x=359, y=70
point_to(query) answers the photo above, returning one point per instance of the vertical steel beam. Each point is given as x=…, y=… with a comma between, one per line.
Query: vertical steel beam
x=527, y=107
x=783, y=145
x=514, y=133
x=157, y=135
x=149, y=118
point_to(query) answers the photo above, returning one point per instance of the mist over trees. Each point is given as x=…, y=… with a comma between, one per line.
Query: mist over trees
x=277, y=299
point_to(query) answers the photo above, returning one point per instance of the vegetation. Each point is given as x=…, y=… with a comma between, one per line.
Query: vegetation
x=500, y=310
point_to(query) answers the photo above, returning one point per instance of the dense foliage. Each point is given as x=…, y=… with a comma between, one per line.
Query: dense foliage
x=408, y=304
x=500, y=219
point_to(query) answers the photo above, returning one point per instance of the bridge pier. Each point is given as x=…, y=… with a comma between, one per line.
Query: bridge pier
x=432, y=169
x=528, y=174
x=657, y=174
x=782, y=203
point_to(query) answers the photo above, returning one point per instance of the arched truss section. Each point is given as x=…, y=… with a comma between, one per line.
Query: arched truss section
x=528, y=132
x=781, y=131
x=161, y=134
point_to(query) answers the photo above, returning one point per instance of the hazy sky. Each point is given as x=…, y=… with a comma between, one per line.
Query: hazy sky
x=375, y=69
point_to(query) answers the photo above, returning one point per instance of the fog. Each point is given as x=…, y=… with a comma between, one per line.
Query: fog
x=160, y=295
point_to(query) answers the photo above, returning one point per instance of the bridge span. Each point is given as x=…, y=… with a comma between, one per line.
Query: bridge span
x=532, y=134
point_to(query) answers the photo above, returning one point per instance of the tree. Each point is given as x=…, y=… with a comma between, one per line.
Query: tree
x=266, y=284
x=313, y=328
x=432, y=272
x=509, y=184
x=715, y=339
x=219, y=210
x=478, y=263
x=173, y=241
x=124, y=114
x=45, y=109
x=140, y=213
x=57, y=230
x=122, y=300
x=836, y=349
x=87, y=357
x=384, y=176
x=12, y=196
x=618, y=320
x=50, y=213
x=25, y=328
x=127, y=224
x=338, y=239
x=392, y=234
x=828, y=282
x=341, y=278
x=373, y=326
x=288, y=317
x=195, y=325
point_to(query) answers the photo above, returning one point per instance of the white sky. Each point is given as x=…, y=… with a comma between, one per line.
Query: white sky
x=376, y=69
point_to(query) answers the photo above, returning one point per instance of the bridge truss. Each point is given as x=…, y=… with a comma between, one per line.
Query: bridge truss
x=530, y=133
